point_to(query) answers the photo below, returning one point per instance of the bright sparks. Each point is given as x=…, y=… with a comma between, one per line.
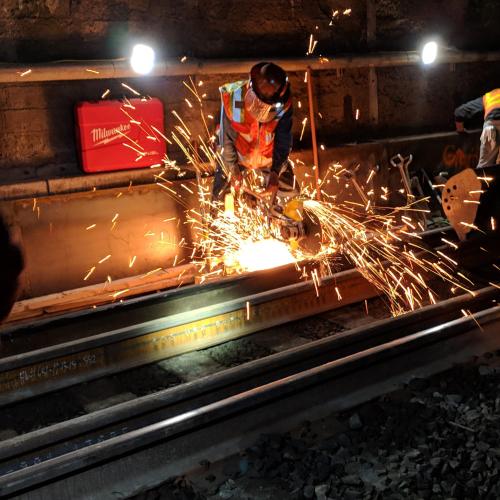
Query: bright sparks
x=263, y=254
x=381, y=243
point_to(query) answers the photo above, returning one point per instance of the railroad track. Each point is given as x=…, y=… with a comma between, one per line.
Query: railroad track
x=165, y=433
x=53, y=353
x=62, y=453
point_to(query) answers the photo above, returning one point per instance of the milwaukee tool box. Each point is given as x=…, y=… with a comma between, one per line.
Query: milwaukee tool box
x=117, y=135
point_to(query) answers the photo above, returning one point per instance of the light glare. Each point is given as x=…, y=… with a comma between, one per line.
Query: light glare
x=142, y=59
x=429, y=52
x=264, y=254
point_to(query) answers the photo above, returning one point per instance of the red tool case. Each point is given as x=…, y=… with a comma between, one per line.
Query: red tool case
x=117, y=135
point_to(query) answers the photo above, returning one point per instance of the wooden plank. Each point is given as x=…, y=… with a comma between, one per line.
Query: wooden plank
x=102, y=293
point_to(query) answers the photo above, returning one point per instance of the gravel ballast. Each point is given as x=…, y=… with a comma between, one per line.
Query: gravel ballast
x=434, y=438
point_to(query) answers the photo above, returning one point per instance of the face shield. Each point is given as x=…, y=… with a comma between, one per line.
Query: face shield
x=261, y=111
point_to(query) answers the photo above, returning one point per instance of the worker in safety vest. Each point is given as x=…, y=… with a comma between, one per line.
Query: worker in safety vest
x=255, y=129
x=11, y=265
x=489, y=107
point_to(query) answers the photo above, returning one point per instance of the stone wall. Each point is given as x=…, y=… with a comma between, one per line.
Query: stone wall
x=36, y=120
x=34, y=30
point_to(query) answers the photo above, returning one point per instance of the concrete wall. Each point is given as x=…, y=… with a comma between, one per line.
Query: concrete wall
x=36, y=120
x=57, y=29
x=59, y=250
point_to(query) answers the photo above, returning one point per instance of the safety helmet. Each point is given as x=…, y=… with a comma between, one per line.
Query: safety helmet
x=268, y=91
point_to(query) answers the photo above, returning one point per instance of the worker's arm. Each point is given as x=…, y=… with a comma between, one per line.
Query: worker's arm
x=11, y=265
x=227, y=141
x=468, y=111
x=282, y=141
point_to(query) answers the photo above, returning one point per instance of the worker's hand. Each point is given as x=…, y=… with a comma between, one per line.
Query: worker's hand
x=272, y=183
x=460, y=127
x=236, y=180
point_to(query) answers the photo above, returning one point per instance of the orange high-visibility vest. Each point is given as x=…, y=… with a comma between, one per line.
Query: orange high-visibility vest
x=254, y=141
x=491, y=101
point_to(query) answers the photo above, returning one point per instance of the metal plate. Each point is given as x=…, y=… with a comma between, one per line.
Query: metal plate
x=460, y=201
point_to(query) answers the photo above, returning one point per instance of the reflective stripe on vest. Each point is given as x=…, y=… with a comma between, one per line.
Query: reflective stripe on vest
x=491, y=101
x=237, y=107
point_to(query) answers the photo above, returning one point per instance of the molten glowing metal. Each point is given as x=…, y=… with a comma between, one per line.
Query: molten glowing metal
x=264, y=254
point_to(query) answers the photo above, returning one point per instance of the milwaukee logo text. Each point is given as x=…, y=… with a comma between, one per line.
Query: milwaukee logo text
x=104, y=135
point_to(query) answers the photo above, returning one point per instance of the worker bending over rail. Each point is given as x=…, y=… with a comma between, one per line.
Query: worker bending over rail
x=11, y=265
x=489, y=106
x=256, y=130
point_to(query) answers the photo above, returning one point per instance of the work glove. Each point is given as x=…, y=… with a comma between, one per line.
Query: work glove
x=460, y=127
x=272, y=183
x=236, y=179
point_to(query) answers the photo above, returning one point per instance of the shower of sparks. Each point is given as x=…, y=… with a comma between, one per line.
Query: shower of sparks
x=312, y=45
x=128, y=87
x=315, y=280
x=105, y=94
x=381, y=243
x=335, y=13
x=453, y=245
x=121, y=292
x=153, y=271
x=87, y=276
x=370, y=176
x=386, y=254
x=304, y=123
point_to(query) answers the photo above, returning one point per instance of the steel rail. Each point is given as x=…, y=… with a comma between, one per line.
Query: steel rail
x=225, y=408
x=53, y=367
x=206, y=294
x=243, y=284
x=320, y=350
x=382, y=329
x=50, y=368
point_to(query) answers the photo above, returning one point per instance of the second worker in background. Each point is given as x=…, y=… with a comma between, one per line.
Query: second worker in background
x=489, y=107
